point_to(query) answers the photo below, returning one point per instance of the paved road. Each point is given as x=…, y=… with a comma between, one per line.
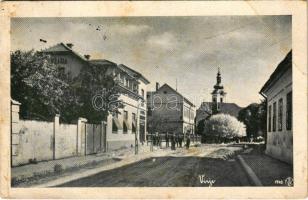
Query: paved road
x=180, y=169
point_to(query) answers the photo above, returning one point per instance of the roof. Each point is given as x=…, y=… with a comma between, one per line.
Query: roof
x=133, y=73
x=166, y=85
x=226, y=108
x=102, y=62
x=60, y=48
x=63, y=48
x=283, y=66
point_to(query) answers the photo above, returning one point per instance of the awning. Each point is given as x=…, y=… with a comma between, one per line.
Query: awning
x=134, y=126
x=128, y=125
x=117, y=123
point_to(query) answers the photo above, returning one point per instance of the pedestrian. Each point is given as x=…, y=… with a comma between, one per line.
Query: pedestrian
x=173, y=141
x=167, y=140
x=177, y=140
x=187, y=141
x=180, y=140
x=156, y=138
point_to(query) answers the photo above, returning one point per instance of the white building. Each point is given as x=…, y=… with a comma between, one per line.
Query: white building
x=122, y=127
x=278, y=92
x=131, y=120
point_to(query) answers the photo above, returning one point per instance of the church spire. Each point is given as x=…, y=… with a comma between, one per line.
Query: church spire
x=218, y=77
x=218, y=94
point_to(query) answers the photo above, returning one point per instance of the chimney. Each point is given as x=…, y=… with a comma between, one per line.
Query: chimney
x=87, y=56
x=157, y=86
x=70, y=45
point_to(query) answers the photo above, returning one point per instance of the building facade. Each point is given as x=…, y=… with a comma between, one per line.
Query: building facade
x=278, y=92
x=169, y=111
x=123, y=126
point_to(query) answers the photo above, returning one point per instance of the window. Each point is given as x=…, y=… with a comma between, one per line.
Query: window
x=289, y=111
x=269, y=118
x=149, y=111
x=134, y=122
x=280, y=109
x=116, y=125
x=142, y=93
x=125, y=117
x=274, y=116
x=221, y=99
x=126, y=82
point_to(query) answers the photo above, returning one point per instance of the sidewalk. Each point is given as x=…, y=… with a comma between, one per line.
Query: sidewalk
x=33, y=172
x=270, y=171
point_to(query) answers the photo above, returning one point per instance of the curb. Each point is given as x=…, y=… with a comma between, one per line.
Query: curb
x=250, y=173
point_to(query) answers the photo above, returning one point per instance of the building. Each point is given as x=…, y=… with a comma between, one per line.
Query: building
x=218, y=104
x=131, y=120
x=278, y=92
x=169, y=111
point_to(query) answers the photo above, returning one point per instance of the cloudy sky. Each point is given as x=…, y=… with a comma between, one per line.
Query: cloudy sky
x=165, y=49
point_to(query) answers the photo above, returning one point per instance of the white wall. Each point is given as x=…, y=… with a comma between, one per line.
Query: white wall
x=280, y=143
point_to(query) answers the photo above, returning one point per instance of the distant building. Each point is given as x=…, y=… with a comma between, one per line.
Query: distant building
x=278, y=92
x=218, y=104
x=169, y=111
x=122, y=127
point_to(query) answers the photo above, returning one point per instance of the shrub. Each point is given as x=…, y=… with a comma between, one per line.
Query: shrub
x=224, y=126
x=58, y=168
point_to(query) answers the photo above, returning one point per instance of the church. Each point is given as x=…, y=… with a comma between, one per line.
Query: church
x=218, y=104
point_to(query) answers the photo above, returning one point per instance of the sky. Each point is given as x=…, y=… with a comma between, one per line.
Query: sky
x=183, y=50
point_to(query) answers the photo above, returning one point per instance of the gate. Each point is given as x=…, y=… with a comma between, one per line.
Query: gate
x=95, y=138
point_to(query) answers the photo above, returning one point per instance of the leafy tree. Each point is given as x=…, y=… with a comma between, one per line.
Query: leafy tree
x=200, y=127
x=44, y=89
x=37, y=84
x=254, y=117
x=93, y=95
x=224, y=126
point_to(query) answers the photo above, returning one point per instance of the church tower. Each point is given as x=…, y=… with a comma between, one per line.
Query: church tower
x=218, y=94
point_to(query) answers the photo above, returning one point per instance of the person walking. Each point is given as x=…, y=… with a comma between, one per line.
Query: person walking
x=173, y=142
x=181, y=140
x=187, y=141
x=167, y=140
x=177, y=140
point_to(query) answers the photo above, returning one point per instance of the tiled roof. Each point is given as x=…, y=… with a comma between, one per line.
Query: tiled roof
x=226, y=108
x=132, y=72
x=60, y=48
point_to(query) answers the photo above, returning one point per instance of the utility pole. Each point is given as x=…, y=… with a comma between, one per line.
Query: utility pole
x=137, y=129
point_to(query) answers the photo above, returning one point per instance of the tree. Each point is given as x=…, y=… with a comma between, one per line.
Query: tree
x=200, y=127
x=254, y=117
x=37, y=84
x=93, y=95
x=44, y=89
x=224, y=126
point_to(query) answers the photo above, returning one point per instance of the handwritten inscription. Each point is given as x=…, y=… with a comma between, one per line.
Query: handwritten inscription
x=204, y=180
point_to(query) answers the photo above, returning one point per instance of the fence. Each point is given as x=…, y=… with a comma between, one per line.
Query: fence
x=34, y=141
x=164, y=137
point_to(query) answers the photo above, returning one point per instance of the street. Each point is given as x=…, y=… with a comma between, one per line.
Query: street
x=198, y=166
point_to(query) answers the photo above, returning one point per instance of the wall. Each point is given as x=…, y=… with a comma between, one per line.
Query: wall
x=35, y=141
x=167, y=111
x=39, y=140
x=280, y=143
x=74, y=64
x=66, y=141
x=120, y=139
